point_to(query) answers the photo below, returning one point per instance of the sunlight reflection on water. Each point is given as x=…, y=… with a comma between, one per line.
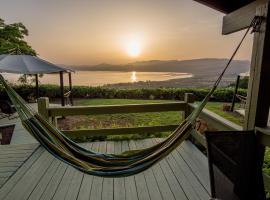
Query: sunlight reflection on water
x=133, y=77
x=98, y=78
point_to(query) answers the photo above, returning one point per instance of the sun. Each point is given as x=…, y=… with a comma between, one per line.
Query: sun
x=133, y=48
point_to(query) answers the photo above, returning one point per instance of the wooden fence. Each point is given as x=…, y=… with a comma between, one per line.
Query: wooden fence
x=186, y=107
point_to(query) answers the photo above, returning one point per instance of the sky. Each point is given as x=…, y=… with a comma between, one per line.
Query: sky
x=86, y=32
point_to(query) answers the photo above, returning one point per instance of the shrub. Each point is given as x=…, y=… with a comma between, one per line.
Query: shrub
x=53, y=91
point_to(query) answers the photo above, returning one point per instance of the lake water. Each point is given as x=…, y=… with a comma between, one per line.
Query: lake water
x=98, y=78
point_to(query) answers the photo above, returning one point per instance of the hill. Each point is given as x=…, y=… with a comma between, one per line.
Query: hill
x=206, y=66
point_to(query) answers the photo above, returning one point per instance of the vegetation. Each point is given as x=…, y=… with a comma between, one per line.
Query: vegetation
x=12, y=39
x=121, y=120
x=216, y=107
x=243, y=83
x=53, y=91
x=132, y=119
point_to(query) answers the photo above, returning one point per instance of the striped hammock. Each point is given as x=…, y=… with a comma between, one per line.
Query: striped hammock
x=99, y=164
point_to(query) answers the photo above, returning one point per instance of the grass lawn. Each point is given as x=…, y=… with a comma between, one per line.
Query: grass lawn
x=216, y=107
x=121, y=120
x=133, y=119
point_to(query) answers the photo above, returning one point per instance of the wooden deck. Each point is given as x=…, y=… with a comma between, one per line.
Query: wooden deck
x=12, y=157
x=183, y=175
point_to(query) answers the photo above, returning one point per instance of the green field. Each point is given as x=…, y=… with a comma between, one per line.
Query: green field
x=164, y=118
x=133, y=119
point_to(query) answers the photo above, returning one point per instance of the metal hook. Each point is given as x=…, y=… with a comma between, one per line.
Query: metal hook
x=256, y=24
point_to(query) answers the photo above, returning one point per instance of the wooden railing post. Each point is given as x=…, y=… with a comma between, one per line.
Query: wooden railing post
x=188, y=98
x=43, y=105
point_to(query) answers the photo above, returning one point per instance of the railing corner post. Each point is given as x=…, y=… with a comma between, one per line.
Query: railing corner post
x=188, y=98
x=43, y=105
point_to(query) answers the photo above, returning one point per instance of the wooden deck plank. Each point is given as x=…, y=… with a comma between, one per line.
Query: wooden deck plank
x=20, y=156
x=197, y=154
x=199, y=189
x=151, y=182
x=162, y=182
x=3, y=180
x=20, y=159
x=118, y=183
x=140, y=182
x=8, y=169
x=97, y=181
x=42, y=184
x=54, y=182
x=6, y=174
x=8, y=186
x=74, y=187
x=107, y=187
x=173, y=178
x=194, y=165
x=186, y=178
x=130, y=186
x=11, y=164
x=30, y=179
x=175, y=187
x=19, y=146
x=64, y=184
x=15, y=151
x=86, y=184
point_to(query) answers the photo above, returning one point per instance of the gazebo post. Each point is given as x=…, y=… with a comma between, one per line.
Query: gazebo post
x=70, y=87
x=37, y=86
x=62, y=89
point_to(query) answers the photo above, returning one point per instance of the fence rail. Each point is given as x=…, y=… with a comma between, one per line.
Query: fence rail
x=51, y=113
x=116, y=109
x=216, y=121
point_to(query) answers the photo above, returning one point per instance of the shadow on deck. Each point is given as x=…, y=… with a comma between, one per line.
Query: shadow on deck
x=182, y=175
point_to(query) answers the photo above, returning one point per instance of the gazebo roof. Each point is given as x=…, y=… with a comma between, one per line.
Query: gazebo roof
x=26, y=64
x=225, y=6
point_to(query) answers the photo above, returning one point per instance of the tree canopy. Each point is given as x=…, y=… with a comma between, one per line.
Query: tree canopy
x=12, y=39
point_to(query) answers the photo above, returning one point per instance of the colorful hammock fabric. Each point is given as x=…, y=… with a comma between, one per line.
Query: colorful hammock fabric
x=99, y=164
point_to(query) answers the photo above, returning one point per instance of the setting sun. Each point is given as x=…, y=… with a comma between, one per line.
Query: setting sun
x=133, y=48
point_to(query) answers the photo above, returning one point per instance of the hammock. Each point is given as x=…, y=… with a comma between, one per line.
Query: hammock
x=99, y=164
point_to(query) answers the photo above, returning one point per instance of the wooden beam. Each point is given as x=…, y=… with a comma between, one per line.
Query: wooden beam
x=115, y=109
x=62, y=89
x=258, y=99
x=241, y=18
x=119, y=131
x=217, y=121
x=43, y=104
x=37, y=86
x=70, y=88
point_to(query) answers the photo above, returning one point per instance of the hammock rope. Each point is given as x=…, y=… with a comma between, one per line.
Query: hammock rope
x=101, y=164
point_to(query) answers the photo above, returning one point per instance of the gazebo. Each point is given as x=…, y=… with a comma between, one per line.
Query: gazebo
x=32, y=65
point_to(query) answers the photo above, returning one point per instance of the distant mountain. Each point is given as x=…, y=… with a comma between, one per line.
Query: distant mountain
x=205, y=66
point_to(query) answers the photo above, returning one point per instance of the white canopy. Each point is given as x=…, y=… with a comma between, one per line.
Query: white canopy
x=26, y=64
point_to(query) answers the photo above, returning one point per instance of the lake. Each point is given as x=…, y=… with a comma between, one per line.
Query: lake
x=99, y=78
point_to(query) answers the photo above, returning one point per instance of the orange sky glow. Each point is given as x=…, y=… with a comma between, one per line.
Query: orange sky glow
x=91, y=31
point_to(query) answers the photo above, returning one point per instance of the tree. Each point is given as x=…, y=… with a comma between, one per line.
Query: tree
x=12, y=39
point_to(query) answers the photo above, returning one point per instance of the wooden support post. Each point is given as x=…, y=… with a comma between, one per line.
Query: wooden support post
x=43, y=105
x=188, y=98
x=70, y=88
x=258, y=99
x=241, y=18
x=62, y=89
x=37, y=86
x=235, y=92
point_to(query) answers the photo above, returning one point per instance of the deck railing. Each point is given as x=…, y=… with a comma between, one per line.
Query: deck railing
x=186, y=107
x=52, y=113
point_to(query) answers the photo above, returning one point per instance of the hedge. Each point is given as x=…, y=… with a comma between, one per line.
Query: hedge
x=53, y=91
